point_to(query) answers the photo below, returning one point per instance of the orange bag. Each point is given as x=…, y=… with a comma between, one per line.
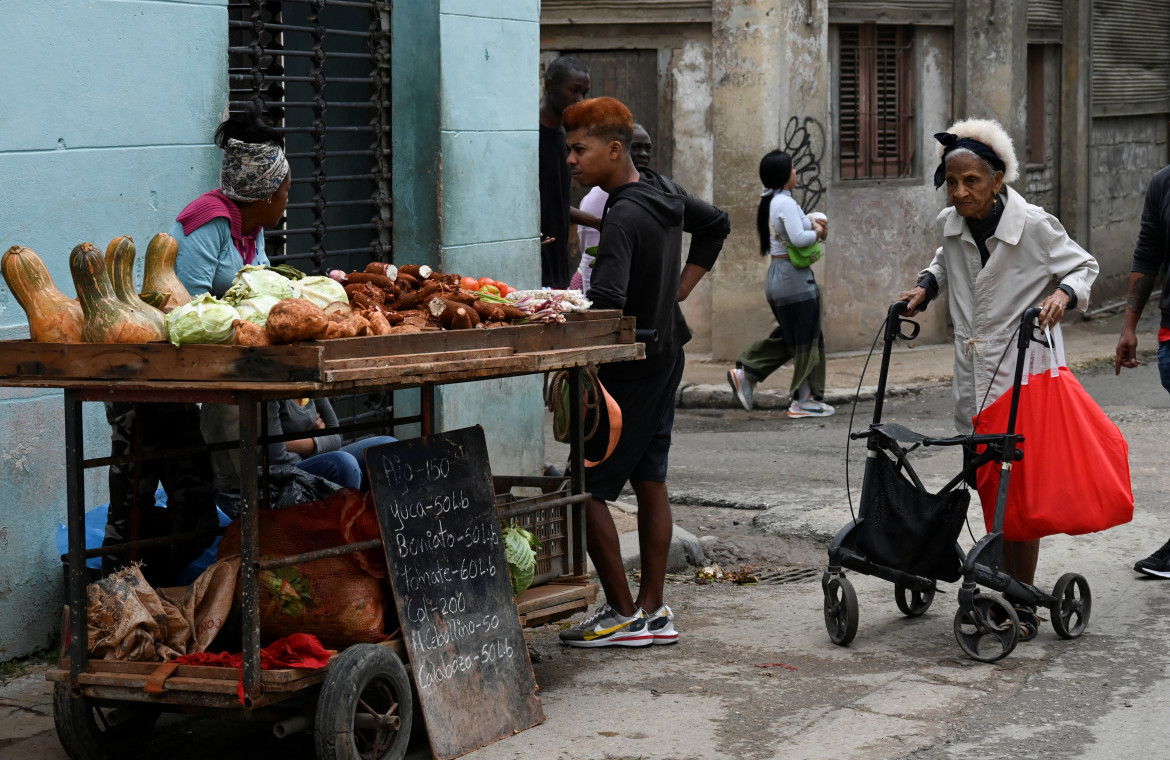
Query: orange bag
x=342, y=600
x=1074, y=477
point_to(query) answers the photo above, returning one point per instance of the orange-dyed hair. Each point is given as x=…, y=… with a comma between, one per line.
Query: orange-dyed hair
x=606, y=118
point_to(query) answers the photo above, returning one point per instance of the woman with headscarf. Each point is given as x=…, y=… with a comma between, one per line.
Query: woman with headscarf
x=218, y=233
x=223, y=230
x=793, y=295
x=999, y=256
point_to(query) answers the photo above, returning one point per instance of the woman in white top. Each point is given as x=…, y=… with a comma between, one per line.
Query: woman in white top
x=793, y=295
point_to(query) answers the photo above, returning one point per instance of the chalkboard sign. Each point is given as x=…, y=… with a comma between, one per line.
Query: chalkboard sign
x=452, y=589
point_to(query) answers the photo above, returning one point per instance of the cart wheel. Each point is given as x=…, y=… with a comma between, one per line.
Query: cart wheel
x=840, y=610
x=990, y=632
x=1074, y=602
x=89, y=731
x=364, y=709
x=913, y=602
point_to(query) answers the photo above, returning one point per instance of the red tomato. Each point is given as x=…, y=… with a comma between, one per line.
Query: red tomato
x=506, y=290
x=501, y=285
x=469, y=283
x=486, y=281
x=490, y=290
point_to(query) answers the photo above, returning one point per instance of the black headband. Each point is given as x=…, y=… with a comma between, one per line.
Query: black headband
x=954, y=142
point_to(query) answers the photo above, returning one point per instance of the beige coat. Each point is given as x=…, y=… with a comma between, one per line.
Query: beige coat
x=1030, y=255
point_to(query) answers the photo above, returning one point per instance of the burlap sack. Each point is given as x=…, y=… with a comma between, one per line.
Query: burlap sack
x=129, y=620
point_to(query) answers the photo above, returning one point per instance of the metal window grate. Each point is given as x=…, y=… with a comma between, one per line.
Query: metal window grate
x=320, y=72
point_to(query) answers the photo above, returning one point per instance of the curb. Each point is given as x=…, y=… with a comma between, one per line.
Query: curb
x=692, y=396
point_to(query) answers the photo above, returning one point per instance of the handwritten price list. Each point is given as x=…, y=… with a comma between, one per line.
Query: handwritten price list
x=452, y=589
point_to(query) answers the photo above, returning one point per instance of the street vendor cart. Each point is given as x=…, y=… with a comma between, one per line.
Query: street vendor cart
x=358, y=705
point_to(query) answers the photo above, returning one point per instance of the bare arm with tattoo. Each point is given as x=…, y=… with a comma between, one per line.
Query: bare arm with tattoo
x=1140, y=287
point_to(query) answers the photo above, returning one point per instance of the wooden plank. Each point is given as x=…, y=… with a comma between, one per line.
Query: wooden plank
x=160, y=361
x=585, y=329
x=552, y=614
x=378, y=362
x=143, y=670
x=456, y=372
x=553, y=594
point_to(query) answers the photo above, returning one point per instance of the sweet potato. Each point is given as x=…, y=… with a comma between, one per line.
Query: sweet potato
x=381, y=280
x=379, y=325
x=416, y=298
x=295, y=319
x=452, y=314
x=382, y=268
x=351, y=327
x=250, y=333
x=417, y=271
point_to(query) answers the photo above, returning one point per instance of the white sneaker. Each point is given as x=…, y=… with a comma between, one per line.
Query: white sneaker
x=661, y=624
x=810, y=408
x=742, y=386
x=608, y=628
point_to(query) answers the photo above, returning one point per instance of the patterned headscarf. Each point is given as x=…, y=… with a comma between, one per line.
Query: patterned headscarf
x=251, y=171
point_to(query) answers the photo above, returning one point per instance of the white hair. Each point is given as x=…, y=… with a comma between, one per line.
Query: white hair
x=990, y=133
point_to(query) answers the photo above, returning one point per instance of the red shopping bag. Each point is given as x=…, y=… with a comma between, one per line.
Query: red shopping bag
x=1074, y=477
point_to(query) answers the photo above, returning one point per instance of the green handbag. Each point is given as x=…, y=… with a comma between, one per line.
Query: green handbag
x=803, y=258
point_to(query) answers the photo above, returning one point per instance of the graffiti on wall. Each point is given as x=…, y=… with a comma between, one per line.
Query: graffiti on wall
x=804, y=140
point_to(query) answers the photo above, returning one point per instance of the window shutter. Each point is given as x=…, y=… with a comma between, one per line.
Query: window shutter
x=848, y=101
x=1131, y=69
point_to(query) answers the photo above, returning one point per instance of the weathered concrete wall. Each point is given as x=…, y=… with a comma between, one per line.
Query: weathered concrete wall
x=109, y=137
x=465, y=153
x=753, y=82
x=1126, y=152
x=883, y=231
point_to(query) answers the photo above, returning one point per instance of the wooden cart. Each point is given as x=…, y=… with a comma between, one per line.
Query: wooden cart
x=102, y=708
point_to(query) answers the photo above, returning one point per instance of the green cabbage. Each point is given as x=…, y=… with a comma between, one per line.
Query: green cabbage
x=256, y=308
x=520, y=551
x=320, y=290
x=257, y=280
x=206, y=319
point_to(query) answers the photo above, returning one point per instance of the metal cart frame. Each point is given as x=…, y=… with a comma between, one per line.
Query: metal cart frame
x=380, y=365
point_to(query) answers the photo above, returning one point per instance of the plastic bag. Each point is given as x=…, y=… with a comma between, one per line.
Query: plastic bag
x=1074, y=477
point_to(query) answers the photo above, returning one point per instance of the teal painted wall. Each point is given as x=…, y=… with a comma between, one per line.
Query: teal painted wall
x=469, y=72
x=108, y=110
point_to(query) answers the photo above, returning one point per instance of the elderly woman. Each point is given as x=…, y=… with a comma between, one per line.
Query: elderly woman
x=999, y=256
x=223, y=229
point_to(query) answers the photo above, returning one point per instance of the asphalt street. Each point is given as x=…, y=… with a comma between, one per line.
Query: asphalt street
x=755, y=675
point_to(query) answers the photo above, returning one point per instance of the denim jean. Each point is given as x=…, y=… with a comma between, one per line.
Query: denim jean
x=1164, y=363
x=346, y=466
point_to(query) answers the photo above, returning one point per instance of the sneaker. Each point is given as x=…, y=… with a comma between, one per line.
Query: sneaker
x=660, y=623
x=1157, y=564
x=742, y=385
x=810, y=408
x=608, y=628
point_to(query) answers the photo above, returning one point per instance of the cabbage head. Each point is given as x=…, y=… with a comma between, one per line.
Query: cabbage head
x=520, y=551
x=257, y=280
x=320, y=290
x=256, y=308
x=206, y=319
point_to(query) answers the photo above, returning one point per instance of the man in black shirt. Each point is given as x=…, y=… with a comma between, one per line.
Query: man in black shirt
x=637, y=271
x=565, y=82
x=1150, y=254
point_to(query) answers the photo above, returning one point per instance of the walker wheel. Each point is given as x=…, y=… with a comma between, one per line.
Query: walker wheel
x=840, y=609
x=989, y=631
x=913, y=602
x=1074, y=602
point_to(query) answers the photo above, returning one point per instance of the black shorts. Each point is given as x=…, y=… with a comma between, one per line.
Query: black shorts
x=642, y=451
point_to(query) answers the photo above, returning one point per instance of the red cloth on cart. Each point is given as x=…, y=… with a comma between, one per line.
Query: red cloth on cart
x=300, y=650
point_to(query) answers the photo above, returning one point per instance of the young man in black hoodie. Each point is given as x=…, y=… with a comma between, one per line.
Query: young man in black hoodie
x=637, y=271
